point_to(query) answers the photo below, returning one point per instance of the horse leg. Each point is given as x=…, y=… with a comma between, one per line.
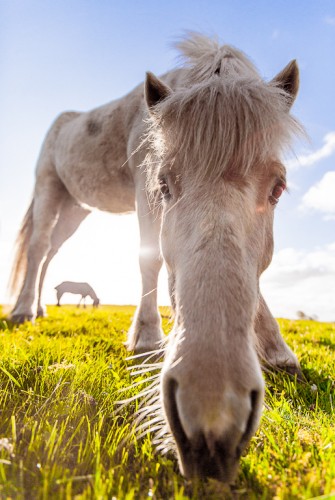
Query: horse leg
x=46, y=205
x=70, y=217
x=145, y=333
x=272, y=348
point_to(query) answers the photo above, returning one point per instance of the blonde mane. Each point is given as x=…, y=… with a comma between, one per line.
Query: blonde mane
x=222, y=118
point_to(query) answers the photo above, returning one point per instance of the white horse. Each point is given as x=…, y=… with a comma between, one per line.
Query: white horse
x=83, y=289
x=198, y=154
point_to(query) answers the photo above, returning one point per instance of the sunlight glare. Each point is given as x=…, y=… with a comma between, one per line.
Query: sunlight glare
x=104, y=252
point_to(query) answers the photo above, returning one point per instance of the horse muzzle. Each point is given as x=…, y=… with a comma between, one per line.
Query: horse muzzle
x=204, y=453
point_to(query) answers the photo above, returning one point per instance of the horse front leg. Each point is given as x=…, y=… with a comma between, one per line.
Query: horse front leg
x=272, y=348
x=146, y=333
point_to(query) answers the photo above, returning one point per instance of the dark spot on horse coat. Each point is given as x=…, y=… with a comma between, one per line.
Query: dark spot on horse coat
x=93, y=127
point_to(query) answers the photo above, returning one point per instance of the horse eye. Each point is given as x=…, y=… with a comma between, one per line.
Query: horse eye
x=276, y=193
x=164, y=188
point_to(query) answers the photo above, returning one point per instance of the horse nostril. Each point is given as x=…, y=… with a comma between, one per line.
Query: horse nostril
x=171, y=389
x=254, y=399
x=172, y=413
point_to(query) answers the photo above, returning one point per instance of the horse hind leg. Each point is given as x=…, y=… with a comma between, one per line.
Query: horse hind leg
x=49, y=192
x=71, y=215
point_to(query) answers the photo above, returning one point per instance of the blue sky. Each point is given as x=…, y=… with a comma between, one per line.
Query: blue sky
x=77, y=55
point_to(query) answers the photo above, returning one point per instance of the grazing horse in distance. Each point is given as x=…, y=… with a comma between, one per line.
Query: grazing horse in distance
x=83, y=289
x=198, y=153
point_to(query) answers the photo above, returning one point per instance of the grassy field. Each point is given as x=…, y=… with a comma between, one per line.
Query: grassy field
x=59, y=439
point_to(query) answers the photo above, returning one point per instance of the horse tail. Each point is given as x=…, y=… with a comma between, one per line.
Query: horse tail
x=21, y=248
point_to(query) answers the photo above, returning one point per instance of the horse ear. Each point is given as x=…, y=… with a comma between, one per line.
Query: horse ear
x=288, y=80
x=155, y=90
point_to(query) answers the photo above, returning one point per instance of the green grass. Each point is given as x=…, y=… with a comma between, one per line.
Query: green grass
x=60, y=379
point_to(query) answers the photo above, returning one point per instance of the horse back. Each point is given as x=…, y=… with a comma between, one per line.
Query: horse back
x=92, y=152
x=74, y=287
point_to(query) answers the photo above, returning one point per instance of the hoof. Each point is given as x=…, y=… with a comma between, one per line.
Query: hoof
x=21, y=318
x=143, y=348
x=294, y=371
x=146, y=355
x=143, y=338
x=41, y=313
x=155, y=354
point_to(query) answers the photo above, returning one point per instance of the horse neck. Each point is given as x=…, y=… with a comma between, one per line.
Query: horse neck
x=93, y=295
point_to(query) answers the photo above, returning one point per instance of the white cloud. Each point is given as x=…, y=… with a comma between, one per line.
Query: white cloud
x=321, y=196
x=301, y=281
x=309, y=159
